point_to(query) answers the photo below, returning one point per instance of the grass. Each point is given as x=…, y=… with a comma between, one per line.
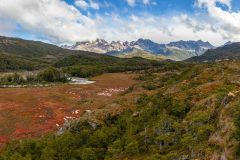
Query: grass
x=22, y=106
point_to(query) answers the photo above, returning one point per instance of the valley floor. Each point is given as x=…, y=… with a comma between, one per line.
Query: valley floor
x=32, y=112
x=177, y=112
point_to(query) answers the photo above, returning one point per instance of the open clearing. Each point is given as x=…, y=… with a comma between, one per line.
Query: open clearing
x=31, y=112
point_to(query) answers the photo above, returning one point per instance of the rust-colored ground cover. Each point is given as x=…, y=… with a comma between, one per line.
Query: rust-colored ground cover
x=30, y=112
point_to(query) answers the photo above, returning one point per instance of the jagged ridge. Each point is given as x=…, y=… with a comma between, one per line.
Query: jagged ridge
x=179, y=50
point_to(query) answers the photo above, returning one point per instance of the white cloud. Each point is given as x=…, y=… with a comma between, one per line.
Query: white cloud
x=94, y=5
x=159, y=29
x=131, y=2
x=53, y=19
x=218, y=26
x=227, y=22
x=146, y=2
x=86, y=5
x=59, y=22
x=82, y=4
x=191, y=23
x=188, y=28
x=212, y=3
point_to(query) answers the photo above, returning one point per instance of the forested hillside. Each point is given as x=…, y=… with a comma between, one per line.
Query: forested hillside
x=88, y=66
x=227, y=52
x=23, y=55
x=14, y=63
x=18, y=54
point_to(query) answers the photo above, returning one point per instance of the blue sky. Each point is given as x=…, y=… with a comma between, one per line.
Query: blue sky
x=156, y=7
x=68, y=21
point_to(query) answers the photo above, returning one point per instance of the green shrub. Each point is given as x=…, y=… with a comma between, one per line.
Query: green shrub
x=52, y=75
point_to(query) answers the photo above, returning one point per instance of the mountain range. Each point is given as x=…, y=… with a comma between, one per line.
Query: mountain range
x=146, y=48
x=20, y=52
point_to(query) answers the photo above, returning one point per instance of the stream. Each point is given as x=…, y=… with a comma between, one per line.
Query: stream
x=72, y=80
x=77, y=80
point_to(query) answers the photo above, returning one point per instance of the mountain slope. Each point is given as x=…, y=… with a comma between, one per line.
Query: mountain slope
x=231, y=51
x=20, y=47
x=100, y=46
x=12, y=62
x=180, y=50
x=19, y=54
x=35, y=49
x=143, y=54
x=197, y=46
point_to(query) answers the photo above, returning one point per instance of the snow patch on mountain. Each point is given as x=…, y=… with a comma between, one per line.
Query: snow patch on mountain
x=179, y=50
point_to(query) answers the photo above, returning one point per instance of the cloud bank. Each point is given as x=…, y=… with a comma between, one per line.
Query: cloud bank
x=53, y=19
x=227, y=21
x=60, y=22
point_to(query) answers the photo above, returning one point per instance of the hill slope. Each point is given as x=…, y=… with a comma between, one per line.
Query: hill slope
x=12, y=62
x=230, y=51
x=19, y=54
x=176, y=113
x=87, y=66
x=32, y=49
x=36, y=50
x=143, y=54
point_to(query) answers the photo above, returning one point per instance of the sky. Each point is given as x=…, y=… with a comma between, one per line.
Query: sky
x=163, y=21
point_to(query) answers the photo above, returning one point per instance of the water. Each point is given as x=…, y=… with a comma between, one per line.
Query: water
x=73, y=80
x=76, y=80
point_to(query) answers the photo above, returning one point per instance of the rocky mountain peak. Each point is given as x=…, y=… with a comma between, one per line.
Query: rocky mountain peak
x=174, y=50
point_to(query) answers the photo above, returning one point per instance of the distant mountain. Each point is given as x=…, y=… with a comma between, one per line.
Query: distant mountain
x=151, y=47
x=99, y=46
x=143, y=54
x=180, y=50
x=228, y=43
x=226, y=52
x=197, y=47
x=28, y=49
x=20, y=54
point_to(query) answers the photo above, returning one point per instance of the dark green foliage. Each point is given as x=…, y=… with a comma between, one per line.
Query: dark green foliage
x=52, y=75
x=87, y=66
x=237, y=124
x=9, y=63
x=154, y=132
x=103, y=60
x=49, y=75
x=12, y=79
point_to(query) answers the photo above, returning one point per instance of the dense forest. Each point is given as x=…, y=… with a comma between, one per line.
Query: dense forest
x=48, y=75
x=91, y=66
x=80, y=66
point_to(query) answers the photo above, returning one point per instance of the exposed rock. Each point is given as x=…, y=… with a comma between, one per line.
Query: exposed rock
x=231, y=94
x=135, y=114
